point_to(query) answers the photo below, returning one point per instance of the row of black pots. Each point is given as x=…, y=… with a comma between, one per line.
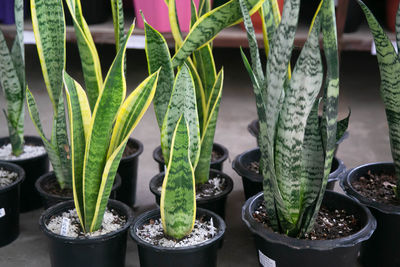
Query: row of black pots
x=109, y=250
x=253, y=182
x=216, y=164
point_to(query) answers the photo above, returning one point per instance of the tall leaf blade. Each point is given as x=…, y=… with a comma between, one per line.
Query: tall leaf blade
x=118, y=21
x=87, y=50
x=300, y=96
x=78, y=107
x=209, y=25
x=52, y=152
x=158, y=56
x=107, y=106
x=14, y=94
x=183, y=101
x=205, y=66
x=202, y=169
x=178, y=197
x=49, y=29
x=130, y=113
x=389, y=66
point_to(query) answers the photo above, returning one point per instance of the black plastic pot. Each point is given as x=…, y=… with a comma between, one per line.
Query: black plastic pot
x=253, y=182
x=102, y=251
x=216, y=165
x=214, y=203
x=34, y=168
x=383, y=248
x=254, y=130
x=201, y=255
x=94, y=11
x=128, y=169
x=9, y=205
x=49, y=199
x=286, y=251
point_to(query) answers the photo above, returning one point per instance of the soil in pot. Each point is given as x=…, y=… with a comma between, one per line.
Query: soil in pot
x=11, y=177
x=320, y=248
x=211, y=196
x=218, y=156
x=128, y=170
x=372, y=185
x=105, y=250
x=51, y=192
x=211, y=229
x=34, y=167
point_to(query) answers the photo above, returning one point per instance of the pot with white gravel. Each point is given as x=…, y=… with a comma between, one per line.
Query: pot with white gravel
x=69, y=246
x=11, y=177
x=198, y=249
x=35, y=162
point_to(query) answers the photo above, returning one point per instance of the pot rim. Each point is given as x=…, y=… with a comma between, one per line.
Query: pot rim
x=243, y=171
x=155, y=213
x=256, y=228
x=138, y=152
x=12, y=168
x=229, y=187
x=346, y=185
x=32, y=138
x=122, y=208
x=42, y=192
x=216, y=146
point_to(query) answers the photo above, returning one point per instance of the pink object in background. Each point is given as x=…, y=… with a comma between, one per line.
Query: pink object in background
x=156, y=14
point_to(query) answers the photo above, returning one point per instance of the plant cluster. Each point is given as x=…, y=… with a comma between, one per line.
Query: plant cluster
x=12, y=80
x=296, y=147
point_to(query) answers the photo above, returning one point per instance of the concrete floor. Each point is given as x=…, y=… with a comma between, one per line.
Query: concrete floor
x=368, y=142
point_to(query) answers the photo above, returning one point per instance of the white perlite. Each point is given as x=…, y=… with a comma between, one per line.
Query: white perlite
x=216, y=188
x=111, y=223
x=7, y=177
x=29, y=152
x=153, y=233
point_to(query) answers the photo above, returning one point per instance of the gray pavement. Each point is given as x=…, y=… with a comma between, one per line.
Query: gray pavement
x=368, y=142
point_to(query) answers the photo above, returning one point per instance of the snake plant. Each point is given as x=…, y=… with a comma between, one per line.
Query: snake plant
x=178, y=197
x=49, y=27
x=389, y=66
x=196, y=52
x=12, y=80
x=99, y=137
x=296, y=147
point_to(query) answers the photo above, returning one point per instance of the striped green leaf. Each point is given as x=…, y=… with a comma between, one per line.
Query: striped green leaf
x=118, y=21
x=389, y=67
x=202, y=169
x=183, y=101
x=49, y=29
x=87, y=50
x=205, y=66
x=398, y=28
x=204, y=7
x=98, y=140
x=50, y=148
x=14, y=95
x=129, y=115
x=209, y=25
x=79, y=119
x=158, y=56
x=178, y=197
x=300, y=96
x=193, y=11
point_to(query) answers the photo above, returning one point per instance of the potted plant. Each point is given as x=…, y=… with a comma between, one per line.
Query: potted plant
x=56, y=186
x=297, y=148
x=376, y=185
x=98, y=139
x=11, y=177
x=208, y=88
x=167, y=237
x=25, y=151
